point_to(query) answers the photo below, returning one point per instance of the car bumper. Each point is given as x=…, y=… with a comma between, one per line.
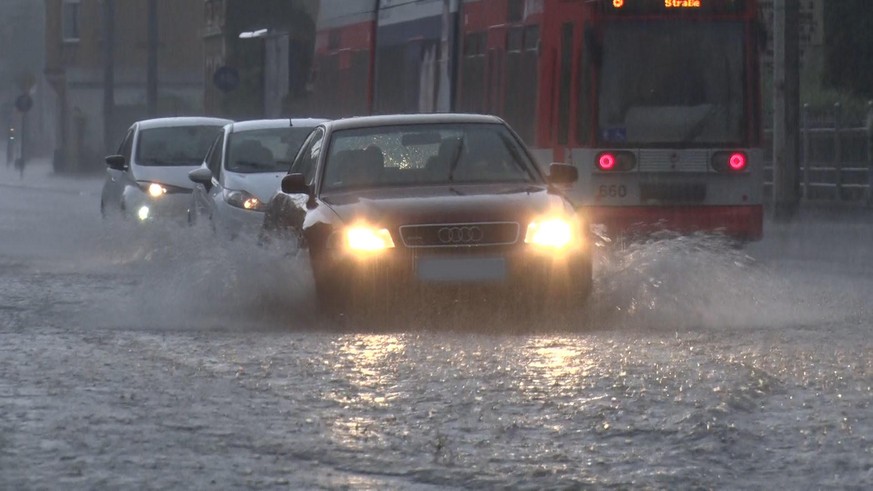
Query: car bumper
x=169, y=207
x=237, y=222
x=518, y=268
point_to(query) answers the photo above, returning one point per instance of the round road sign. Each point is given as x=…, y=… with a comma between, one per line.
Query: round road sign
x=24, y=102
x=226, y=78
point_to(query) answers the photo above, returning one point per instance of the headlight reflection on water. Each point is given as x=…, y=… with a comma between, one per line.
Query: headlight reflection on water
x=550, y=362
x=364, y=377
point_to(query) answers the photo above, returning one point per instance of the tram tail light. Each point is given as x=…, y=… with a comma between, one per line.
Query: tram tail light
x=606, y=161
x=730, y=162
x=615, y=161
x=737, y=161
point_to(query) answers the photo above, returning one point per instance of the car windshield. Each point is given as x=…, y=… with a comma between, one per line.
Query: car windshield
x=434, y=154
x=266, y=150
x=692, y=87
x=175, y=145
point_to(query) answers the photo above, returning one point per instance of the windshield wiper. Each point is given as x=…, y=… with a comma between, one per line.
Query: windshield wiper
x=253, y=165
x=455, y=159
x=698, y=127
x=158, y=162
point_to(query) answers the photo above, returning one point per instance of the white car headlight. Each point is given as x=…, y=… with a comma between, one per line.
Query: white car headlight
x=244, y=200
x=552, y=232
x=366, y=239
x=153, y=189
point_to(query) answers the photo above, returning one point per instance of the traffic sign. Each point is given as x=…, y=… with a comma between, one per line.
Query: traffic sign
x=23, y=103
x=226, y=78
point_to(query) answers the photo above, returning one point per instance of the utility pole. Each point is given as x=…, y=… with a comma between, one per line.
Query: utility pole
x=786, y=109
x=108, y=72
x=152, y=68
x=372, y=95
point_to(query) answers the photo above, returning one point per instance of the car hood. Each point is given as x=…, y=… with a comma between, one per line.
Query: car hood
x=264, y=185
x=175, y=175
x=447, y=204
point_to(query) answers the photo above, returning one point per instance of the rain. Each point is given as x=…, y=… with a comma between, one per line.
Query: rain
x=162, y=353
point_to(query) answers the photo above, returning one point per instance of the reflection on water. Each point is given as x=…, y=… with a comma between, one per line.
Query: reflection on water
x=364, y=360
x=556, y=361
x=364, y=378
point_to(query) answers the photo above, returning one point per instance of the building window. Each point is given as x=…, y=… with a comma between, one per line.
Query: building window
x=515, y=39
x=71, y=20
x=334, y=38
x=515, y=11
x=531, y=38
x=475, y=44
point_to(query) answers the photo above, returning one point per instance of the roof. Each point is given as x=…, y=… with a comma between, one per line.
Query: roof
x=263, y=124
x=404, y=119
x=181, y=121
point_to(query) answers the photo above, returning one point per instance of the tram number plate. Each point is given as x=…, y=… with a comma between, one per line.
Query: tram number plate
x=612, y=191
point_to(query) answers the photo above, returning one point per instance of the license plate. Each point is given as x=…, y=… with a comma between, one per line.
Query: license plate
x=461, y=269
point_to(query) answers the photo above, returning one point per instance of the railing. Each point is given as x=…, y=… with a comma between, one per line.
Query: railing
x=836, y=162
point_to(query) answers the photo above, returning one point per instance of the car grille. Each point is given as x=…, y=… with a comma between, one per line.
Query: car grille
x=459, y=234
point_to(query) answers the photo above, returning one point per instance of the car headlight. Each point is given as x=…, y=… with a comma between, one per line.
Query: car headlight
x=552, y=232
x=153, y=189
x=156, y=189
x=364, y=238
x=244, y=200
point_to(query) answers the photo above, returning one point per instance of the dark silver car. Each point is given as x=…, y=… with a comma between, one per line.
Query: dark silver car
x=384, y=206
x=243, y=170
x=148, y=178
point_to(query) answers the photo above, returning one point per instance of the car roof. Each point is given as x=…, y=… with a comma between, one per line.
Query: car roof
x=181, y=121
x=263, y=124
x=404, y=119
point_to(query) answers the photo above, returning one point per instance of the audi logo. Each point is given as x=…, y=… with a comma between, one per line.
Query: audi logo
x=460, y=235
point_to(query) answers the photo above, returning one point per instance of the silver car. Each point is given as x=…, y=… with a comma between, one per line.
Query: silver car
x=243, y=170
x=148, y=178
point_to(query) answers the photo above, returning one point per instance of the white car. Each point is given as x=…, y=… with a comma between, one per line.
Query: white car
x=243, y=171
x=148, y=178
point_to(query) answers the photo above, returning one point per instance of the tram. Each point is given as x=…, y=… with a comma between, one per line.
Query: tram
x=656, y=102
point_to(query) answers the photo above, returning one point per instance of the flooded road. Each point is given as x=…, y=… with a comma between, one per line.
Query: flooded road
x=157, y=358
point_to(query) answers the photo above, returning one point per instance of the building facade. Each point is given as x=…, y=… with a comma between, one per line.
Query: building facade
x=262, y=55
x=92, y=115
x=21, y=63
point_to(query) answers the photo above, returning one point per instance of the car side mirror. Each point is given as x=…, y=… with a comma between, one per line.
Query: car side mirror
x=201, y=175
x=295, y=184
x=562, y=173
x=116, y=162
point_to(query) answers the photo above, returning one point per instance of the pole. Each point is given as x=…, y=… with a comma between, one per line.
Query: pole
x=869, y=153
x=372, y=95
x=786, y=106
x=152, y=68
x=838, y=150
x=22, y=144
x=807, y=148
x=108, y=72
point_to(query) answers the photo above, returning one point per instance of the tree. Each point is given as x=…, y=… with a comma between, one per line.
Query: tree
x=849, y=46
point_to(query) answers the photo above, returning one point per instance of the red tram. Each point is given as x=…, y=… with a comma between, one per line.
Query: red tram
x=656, y=102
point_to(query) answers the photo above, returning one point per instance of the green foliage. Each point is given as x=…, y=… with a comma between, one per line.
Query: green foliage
x=849, y=46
